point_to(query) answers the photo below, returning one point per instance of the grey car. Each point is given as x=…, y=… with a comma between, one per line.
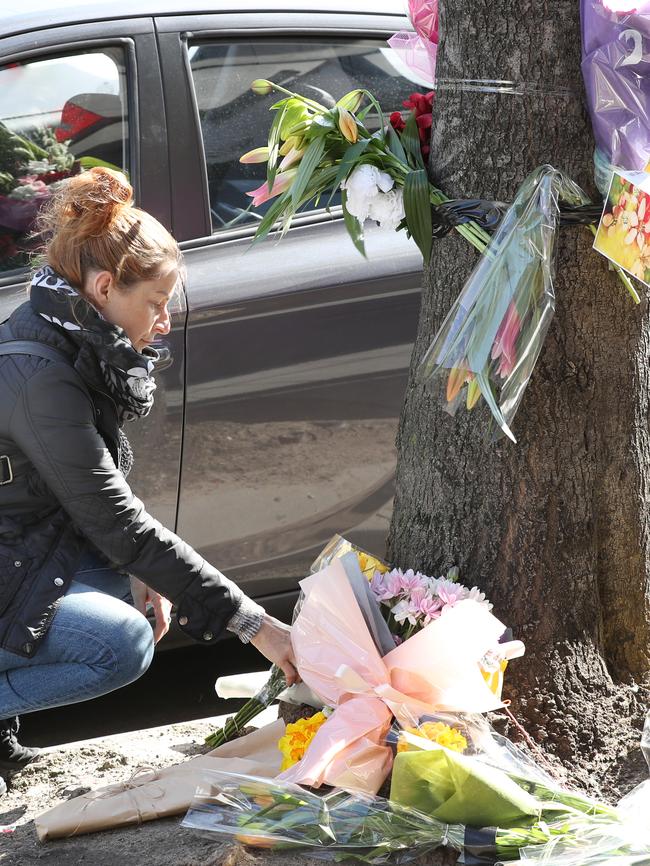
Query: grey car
x=277, y=408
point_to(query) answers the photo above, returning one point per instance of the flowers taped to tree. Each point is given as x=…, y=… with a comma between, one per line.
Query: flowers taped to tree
x=494, y=332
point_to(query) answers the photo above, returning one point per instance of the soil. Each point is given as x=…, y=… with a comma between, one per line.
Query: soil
x=67, y=771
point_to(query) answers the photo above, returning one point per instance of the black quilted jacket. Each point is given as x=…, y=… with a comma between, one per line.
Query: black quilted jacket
x=61, y=436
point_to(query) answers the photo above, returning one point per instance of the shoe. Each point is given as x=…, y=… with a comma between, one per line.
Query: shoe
x=13, y=756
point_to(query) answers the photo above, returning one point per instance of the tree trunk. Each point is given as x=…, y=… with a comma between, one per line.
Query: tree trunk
x=555, y=529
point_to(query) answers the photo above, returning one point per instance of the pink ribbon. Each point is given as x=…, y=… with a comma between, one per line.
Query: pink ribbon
x=437, y=669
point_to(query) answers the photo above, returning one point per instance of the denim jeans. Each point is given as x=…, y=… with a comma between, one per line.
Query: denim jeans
x=97, y=642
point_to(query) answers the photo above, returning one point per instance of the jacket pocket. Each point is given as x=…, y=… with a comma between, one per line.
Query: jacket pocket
x=12, y=573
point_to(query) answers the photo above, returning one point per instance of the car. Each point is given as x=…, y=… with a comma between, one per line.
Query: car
x=274, y=425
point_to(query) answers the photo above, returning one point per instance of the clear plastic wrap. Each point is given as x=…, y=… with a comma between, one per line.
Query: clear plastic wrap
x=338, y=546
x=490, y=341
x=616, y=71
x=278, y=815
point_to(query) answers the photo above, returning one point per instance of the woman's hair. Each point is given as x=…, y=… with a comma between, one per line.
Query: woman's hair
x=90, y=223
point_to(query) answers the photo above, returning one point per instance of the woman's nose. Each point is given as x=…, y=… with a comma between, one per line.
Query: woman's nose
x=164, y=323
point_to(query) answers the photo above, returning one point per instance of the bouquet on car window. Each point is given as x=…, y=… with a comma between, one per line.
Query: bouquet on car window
x=313, y=151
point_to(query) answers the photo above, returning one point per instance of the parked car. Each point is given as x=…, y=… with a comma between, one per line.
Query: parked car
x=274, y=426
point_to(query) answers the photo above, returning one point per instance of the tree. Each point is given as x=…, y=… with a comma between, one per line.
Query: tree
x=555, y=529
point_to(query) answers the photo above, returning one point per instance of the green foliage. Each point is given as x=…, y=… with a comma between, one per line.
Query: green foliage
x=417, y=208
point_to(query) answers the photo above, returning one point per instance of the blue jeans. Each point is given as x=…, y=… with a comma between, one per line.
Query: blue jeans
x=97, y=642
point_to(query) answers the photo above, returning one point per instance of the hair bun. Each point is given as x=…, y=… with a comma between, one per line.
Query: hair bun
x=89, y=202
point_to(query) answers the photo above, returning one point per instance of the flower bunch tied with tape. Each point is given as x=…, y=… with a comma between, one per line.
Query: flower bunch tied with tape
x=314, y=151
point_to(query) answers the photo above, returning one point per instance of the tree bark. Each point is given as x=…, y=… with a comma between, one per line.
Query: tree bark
x=555, y=529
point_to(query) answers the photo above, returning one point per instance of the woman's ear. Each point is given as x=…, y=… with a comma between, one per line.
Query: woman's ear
x=97, y=288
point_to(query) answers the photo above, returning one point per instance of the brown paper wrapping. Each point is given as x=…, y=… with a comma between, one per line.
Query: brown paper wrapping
x=151, y=794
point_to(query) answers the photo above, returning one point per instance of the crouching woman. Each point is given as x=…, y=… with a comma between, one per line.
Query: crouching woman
x=80, y=557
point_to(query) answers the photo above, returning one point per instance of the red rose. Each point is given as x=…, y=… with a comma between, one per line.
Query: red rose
x=397, y=121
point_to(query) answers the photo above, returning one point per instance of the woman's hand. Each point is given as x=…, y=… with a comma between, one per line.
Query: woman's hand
x=273, y=640
x=143, y=595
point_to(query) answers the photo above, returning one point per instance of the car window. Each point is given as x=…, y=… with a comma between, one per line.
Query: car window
x=234, y=120
x=58, y=116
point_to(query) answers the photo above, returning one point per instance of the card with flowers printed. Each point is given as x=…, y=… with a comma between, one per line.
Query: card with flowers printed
x=623, y=234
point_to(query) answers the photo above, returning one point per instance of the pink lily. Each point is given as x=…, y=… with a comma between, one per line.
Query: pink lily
x=293, y=156
x=505, y=343
x=282, y=182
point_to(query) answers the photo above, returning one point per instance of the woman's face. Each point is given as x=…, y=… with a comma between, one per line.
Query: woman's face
x=141, y=310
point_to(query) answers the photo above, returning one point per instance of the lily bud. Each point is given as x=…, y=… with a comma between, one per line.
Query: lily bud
x=262, y=87
x=473, y=393
x=348, y=126
x=292, y=157
x=352, y=100
x=260, y=154
x=293, y=142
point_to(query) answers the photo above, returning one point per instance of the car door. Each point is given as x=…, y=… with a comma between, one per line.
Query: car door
x=297, y=352
x=88, y=92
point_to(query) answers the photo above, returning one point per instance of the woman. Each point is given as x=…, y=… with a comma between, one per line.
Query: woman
x=76, y=546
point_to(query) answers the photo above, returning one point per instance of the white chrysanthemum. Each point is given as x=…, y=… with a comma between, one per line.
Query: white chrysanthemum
x=476, y=595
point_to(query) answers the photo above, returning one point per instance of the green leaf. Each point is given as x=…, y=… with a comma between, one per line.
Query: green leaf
x=361, y=115
x=350, y=160
x=274, y=146
x=92, y=162
x=295, y=113
x=380, y=115
x=395, y=145
x=417, y=208
x=272, y=215
x=323, y=123
x=354, y=227
x=308, y=164
x=411, y=143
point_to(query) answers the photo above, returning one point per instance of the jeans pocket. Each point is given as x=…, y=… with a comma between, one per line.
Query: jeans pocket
x=12, y=572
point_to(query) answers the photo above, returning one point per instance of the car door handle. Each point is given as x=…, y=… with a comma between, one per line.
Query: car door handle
x=165, y=357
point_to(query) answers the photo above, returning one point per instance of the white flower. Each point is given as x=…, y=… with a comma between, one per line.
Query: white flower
x=387, y=208
x=370, y=195
x=475, y=594
x=402, y=611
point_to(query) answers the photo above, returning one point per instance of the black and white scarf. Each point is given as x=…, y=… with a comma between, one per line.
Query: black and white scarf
x=106, y=357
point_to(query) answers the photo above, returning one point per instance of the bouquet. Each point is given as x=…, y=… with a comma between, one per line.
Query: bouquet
x=491, y=339
x=279, y=815
x=347, y=654
x=313, y=151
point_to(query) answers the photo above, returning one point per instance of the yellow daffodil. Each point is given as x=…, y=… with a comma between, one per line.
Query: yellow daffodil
x=297, y=737
x=370, y=564
x=437, y=732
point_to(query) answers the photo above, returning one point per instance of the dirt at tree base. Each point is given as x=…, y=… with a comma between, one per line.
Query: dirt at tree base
x=68, y=771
